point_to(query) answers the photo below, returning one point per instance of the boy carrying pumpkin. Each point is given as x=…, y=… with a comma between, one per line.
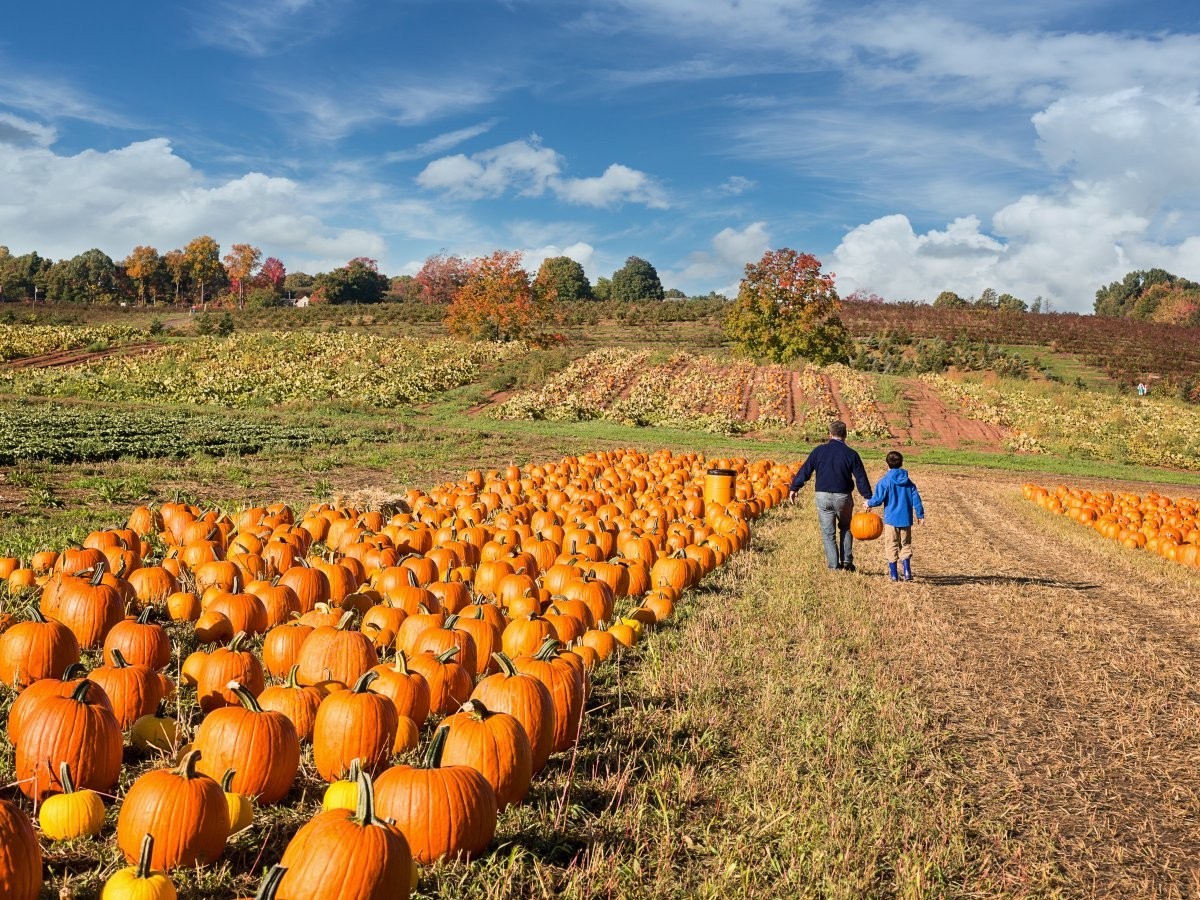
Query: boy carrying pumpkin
x=900, y=500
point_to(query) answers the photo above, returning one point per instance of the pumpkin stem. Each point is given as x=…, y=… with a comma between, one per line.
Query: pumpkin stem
x=97, y=574
x=346, y=619
x=364, y=681
x=143, y=867
x=450, y=620
x=187, y=765
x=73, y=671
x=365, y=813
x=79, y=695
x=355, y=769
x=447, y=655
x=227, y=781
x=238, y=639
x=64, y=777
x=246, y=698
x=433, y=756
x=145, y=615
x=270, y=883
x=549, y=649
x=35, y=615
x=119, y=659
x=506, y=664
x=291, y=678
x=401, y=662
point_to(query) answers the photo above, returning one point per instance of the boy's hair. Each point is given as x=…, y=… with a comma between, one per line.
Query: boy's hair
x=837, y=429
x=895, y=459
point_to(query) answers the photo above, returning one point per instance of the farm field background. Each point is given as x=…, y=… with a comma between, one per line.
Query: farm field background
x=1004, y=726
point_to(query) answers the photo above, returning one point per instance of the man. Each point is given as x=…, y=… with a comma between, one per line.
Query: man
x=838, y=469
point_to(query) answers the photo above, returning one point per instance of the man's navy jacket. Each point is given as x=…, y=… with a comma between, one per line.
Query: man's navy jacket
x=838, y=469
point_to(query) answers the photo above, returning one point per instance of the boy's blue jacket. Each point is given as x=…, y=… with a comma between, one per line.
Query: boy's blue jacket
x=899, y=498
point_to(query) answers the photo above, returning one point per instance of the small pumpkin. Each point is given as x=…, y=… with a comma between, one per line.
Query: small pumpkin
x=866, y=526
x=241, y=807
x=140, y=881
x=71, y=814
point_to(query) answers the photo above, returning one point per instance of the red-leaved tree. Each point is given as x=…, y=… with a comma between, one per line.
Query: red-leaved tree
x=498, y=302
x=441, y=277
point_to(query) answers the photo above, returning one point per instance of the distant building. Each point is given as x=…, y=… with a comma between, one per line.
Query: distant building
x=301, y=302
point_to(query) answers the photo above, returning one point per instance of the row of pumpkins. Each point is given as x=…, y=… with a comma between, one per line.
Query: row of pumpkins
x=486, y=601
x=1169, y=528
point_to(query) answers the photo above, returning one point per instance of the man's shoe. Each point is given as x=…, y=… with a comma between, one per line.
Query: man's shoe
x=892, y=573
x=906, y=567
x=848, y=567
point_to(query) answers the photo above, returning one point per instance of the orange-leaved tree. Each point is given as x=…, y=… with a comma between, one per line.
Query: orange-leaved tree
x=786, y=309
x=499, y=302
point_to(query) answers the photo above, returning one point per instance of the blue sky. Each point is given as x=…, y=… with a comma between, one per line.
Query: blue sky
x=912, y=147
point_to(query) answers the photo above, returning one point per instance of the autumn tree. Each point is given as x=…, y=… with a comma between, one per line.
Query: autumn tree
x=202, y=257
x=950, y=300
x=602, y=289
x=636, y=280
x=565, y=277
x=240, y=263
x=271, y=275
x=90, y=277
x=175, y=262
x=786, y=309
x=498, y=302
x=441, y=277
x=145, y=269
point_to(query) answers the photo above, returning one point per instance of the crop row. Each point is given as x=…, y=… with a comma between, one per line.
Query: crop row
x=1084, y=424
x=273, y=368
x=693, y=391
x=20, y=341
x=68, y=434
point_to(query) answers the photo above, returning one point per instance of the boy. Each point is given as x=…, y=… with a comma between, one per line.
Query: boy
x=900, y=499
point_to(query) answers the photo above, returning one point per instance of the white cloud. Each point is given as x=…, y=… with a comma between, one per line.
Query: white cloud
x=724, y=263
x=618, y=184
x=581, y=251
x=1129, y=158
x=259, y=28
x=25, y=133
x=531, y=170
x=145, y=193
x=735, y=185
x=442, y=142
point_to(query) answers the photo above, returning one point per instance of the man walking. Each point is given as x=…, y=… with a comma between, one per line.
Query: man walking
x=838, y=469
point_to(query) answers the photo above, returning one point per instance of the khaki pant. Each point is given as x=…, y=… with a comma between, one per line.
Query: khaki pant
x=897, y=543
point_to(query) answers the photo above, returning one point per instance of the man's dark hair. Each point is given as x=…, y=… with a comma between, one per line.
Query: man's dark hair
x=895, y=459
x=837, y=429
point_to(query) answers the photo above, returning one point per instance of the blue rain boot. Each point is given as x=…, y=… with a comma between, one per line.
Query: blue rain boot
x=906, y=566
x=892, y=574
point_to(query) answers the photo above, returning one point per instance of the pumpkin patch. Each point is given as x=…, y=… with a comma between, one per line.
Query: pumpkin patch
x=428, y=662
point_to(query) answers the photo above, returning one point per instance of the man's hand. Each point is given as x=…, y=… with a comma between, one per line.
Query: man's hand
x=920, y=521
x=791, y=496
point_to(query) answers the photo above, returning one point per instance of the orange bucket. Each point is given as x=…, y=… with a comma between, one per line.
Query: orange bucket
x=719, y=488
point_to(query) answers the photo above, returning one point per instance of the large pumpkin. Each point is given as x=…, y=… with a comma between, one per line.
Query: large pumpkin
x=354, y=724
x=261, y=746
x=185, y=811
x=344, y=855
x=493, y=743
x=445, y=812
x=866, y=526
x=20, y=855
x=525, y=698
x=76, y=730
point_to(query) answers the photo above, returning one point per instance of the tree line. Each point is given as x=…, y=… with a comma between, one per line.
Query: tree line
x=198, y=274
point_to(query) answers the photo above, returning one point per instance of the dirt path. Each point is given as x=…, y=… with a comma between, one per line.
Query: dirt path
x=923, y=419
x=1067, y=672
x=842, y=409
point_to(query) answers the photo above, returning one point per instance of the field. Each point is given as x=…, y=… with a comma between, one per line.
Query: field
x=1018, y=721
